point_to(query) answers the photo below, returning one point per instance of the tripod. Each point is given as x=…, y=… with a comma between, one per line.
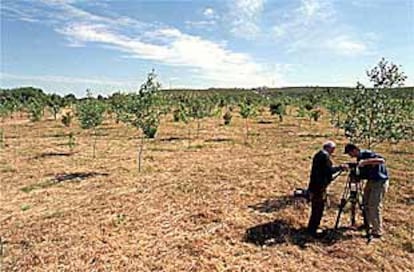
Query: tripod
x=353, y=194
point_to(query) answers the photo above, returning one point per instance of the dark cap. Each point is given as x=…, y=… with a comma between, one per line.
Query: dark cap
x=349, y=147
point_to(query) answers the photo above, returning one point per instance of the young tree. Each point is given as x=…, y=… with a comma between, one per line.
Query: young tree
x=4, y=113
x=180, y=113
x=90, y=113
x=117, y=104
x=199, y=109
x=247, y=110
x=69, y=100
x=67, y=121
x=35, y=108
x=8, y=106
x=314, y=114
x=143, y=110
x=336, y=108
x=227, y=117
x=301, y=113
x=279, y=109
x=372, y=117
x=55, y=103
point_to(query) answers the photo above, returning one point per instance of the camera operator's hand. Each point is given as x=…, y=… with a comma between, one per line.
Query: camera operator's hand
x=344, y=167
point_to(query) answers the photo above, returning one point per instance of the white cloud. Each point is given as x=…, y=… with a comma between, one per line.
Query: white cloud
x=16, y=13
x=313, y=26
x=316, y=9
x=209, y=13
x=308, y=17
x=278, y=31
x=212, y=61
x=245, y=17
x=208, y=23
x=345, y=45
x=205, y=24
x=166, y=45
x=365, y=3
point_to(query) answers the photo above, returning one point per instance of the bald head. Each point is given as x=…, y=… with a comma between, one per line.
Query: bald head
x=329, y=146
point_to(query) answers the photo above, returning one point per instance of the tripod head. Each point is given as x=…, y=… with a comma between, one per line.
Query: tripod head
x=354, y=172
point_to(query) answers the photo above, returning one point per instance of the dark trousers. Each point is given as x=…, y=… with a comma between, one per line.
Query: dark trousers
x=318, y=205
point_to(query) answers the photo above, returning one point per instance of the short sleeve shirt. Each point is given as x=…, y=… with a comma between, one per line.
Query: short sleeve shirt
x=373, y=172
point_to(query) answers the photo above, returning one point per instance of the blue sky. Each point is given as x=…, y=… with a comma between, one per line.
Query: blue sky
x=70, y=45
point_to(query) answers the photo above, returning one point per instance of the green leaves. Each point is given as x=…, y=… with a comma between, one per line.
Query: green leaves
x=386, y=75
x=90, y=113
x=373, y=116
x=200, y=108
x=143, y=110
x=55, y=103
x=180, y=114
x=67, y=119
x=247, y=109
x=7, y=107
x=278, y=109
x=35, y=108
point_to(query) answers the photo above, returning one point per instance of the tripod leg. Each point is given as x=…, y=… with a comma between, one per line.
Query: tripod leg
x=353, y=213
x=340, y=211
x=354, y=203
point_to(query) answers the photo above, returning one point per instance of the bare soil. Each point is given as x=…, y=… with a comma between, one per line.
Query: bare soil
x=214, y=203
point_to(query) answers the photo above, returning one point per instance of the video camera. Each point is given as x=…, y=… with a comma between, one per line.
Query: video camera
x=354, y=170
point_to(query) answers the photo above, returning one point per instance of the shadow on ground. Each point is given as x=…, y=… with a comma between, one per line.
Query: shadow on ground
x=283, y=202
x=171, y=139
x=281, y=232
x=78, y=176
x=265, y=122
x=313, y=136
x=218, y=140
x=52, y=154
x=279, y=203
x=273, y=205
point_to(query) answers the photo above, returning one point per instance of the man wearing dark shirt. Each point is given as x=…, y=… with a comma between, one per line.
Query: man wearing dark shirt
x=372, y=168
x=321, y=176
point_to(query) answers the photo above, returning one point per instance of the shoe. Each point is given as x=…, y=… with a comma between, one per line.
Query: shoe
x=377, y=235
x=316, y=235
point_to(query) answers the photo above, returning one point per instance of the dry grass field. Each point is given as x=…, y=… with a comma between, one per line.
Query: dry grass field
x=192, y=206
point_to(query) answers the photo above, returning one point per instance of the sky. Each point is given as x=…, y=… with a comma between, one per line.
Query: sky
x=68, y=46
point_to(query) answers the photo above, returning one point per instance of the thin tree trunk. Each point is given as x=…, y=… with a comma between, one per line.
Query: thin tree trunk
x=198, y=128
x=338, y=124
x=2, y=137
x=247, y=131
x=94, y=142
x=141, y=148
x=189, y=135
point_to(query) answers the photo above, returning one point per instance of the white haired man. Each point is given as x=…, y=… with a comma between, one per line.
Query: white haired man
x=321, y=176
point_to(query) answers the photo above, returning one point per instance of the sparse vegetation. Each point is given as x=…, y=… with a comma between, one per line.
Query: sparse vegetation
x=215, y=206
x=90, y=113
